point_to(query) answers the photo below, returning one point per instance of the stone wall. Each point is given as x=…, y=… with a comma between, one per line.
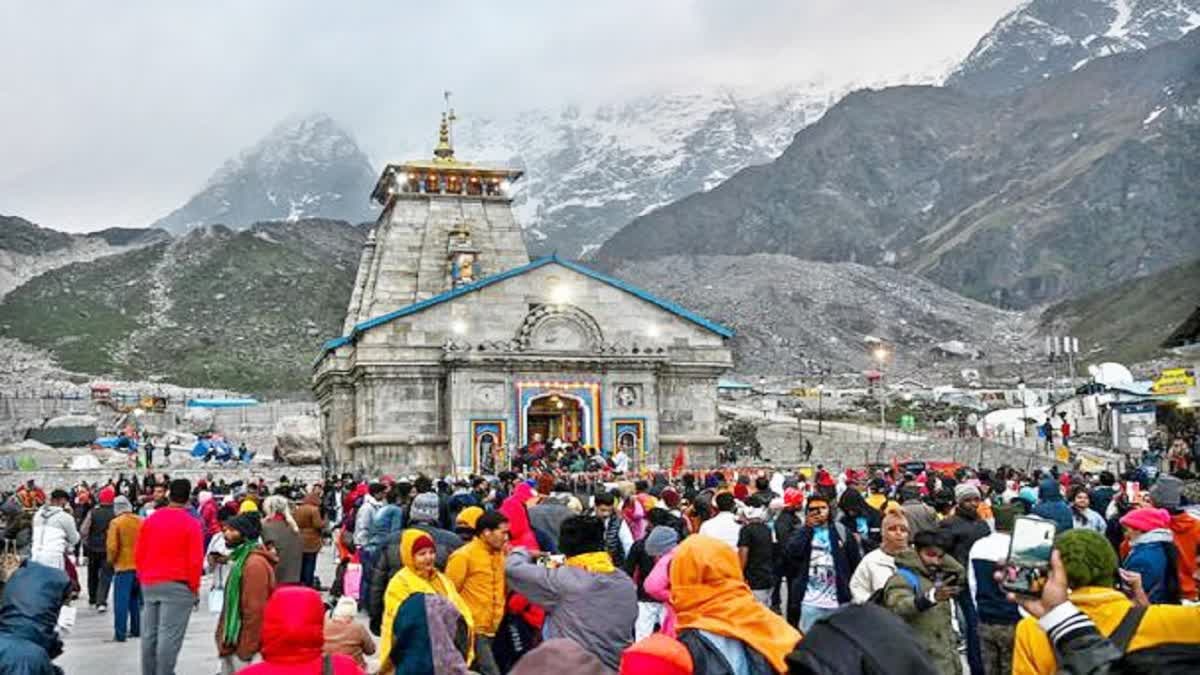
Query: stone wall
x=55, y=478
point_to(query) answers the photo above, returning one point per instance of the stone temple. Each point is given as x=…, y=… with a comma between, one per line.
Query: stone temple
x=457, y=348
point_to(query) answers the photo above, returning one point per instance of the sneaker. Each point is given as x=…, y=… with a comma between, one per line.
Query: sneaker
x=102, y=608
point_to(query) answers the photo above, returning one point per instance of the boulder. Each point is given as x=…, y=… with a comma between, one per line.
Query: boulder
x=199, y=420
x=71, y=421
x=298, y=440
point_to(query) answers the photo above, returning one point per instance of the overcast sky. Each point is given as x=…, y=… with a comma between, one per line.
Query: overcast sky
x=114, y=113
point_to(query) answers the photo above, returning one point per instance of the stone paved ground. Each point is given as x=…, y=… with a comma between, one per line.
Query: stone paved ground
x=90, y=649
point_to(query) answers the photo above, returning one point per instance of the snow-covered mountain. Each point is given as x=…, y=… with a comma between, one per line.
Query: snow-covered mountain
x=1045, y=38
x=591, y=170
x=306, y=167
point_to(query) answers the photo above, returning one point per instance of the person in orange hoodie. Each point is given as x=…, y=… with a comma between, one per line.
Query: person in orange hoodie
x=1167, y=494
x=718, y=615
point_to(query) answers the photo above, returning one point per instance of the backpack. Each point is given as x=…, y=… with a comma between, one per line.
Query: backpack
x=1164, y=659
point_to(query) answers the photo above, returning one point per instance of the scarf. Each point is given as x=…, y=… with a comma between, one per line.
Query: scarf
x=598, y=562
x=232, y=611
x=708, y=593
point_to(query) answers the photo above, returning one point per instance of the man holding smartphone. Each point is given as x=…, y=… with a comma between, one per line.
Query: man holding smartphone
x=926, y=582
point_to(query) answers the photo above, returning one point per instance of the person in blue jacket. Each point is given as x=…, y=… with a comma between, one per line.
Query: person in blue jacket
x=1052, y=506
x=29, y=642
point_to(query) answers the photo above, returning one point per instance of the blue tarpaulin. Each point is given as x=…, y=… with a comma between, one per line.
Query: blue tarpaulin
x=117, y=443
x=221, y=402
x=222, y=450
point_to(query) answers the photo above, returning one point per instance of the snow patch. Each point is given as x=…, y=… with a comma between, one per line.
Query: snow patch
x=1153, y=115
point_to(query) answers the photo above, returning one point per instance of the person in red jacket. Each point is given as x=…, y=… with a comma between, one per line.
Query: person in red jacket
x=169, y=557
x=293, y=635
x=210, y=524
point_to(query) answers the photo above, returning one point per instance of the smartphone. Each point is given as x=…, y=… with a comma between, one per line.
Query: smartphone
x=1029, y=556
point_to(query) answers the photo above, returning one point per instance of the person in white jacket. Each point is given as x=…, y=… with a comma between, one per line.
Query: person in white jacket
x=879, y=565
x=54, y=531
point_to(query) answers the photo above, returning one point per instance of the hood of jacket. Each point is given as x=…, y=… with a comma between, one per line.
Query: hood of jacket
x=32, y=599
x=1182, y=523
x=1048, y=491
x=1158, y=536
x=293, y=629
x=48, y=511
x=912, y=560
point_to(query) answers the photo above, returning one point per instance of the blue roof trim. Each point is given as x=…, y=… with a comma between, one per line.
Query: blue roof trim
x=517, y=271
x=664, y=304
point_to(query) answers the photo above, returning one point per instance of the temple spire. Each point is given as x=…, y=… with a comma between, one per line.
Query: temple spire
x=445, y=147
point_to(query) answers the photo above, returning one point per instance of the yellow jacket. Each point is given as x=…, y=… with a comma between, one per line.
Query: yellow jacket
x=406, y=582
x=478, y=573
x=121, y=541
x=1162, y=624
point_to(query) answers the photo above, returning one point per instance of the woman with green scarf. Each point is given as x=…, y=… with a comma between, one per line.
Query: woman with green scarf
x=251, y=581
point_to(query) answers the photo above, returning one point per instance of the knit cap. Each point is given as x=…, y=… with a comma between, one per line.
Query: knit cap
x=107, y=494
x=1088, y=558
x=121, y=505
x=661, y=540
x=658, y=653
x=247, y=523
x=1147, y=519
x=963, y=491
x=424, y=508
x=1167, y=493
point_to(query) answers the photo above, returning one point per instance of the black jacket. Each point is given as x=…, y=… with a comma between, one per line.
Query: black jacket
x=797, y=555
x=964, y=529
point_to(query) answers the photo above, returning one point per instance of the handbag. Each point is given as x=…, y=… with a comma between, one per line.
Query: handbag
x=216, y=595
x=352, y=580
x=9, y=560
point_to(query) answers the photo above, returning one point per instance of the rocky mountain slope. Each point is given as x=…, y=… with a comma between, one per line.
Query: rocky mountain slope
x=1046, y=38
x=305, y=168
x=1059, y=189
x=214, y=308
x=798, y=316
x=1128, y=322
x=27, y=250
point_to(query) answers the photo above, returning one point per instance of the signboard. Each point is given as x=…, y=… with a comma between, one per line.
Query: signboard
x=1091, y=464
x=806, y=392
x=1174, y=381
x=1063, y=455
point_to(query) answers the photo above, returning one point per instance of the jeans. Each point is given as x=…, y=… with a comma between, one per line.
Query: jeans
x=810, y=615
x=99, y=578
x=127, y=604
x=367, y=558
x=996, y=645
x=167, y=610
x=485, y=660
x=763, y=595
x=308, y=570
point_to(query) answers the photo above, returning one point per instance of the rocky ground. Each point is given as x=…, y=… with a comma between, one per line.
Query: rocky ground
x=796, y=316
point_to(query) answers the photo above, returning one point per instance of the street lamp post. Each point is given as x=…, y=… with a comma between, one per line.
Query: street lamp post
x=1024, y=419
x=881, y=357
x=820, y=405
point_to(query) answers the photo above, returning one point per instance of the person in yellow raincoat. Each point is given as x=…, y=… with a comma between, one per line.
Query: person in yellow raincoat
x=418, y=575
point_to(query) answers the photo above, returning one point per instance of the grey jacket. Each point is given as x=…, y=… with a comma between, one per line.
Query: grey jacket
x=290, y=550
x=549, y=516
x=597, y=611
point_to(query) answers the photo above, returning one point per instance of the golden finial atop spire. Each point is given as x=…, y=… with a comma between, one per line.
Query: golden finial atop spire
x=445, y=149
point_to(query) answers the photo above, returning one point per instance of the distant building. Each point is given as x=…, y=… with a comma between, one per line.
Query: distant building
x=457, y=349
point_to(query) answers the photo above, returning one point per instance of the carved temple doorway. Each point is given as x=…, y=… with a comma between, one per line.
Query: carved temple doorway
x=554, y=415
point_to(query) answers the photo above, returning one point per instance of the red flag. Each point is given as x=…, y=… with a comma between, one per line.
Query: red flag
x=680, y=461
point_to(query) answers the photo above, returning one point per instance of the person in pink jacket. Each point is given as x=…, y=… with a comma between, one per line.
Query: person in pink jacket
x=658, y=583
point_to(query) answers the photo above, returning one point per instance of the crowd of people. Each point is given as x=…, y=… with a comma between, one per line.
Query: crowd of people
x=739, y=572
